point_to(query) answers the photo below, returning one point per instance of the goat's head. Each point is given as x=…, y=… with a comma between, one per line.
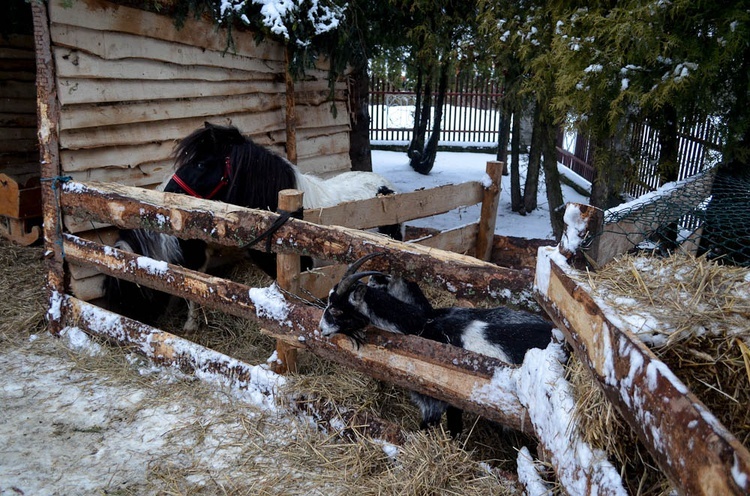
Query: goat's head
x=344, y=314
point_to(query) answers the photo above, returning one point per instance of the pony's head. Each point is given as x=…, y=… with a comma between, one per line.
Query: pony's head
x=219, y=163
x=204, y=162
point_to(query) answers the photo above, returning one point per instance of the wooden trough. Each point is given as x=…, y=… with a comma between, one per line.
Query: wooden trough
x=691, y=447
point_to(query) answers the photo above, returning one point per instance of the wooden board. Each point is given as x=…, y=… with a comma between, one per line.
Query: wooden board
x=120, y=157
x=459, y=240
x=399, y=208
x=75, y=63
x=76, y=91
x=174, y=130
x=95, y=115
x=143, y=175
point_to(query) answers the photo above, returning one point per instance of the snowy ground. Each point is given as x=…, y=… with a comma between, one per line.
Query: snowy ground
x=69, y=426
x=455, y=167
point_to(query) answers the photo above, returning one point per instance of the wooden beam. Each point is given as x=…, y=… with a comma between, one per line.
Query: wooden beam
x=694, y=450
x=48, y=115
x=445, y=372
x=229, y=225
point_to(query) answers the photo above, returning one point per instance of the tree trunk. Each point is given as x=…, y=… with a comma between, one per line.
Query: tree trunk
x=668, y=167
x=609, y=171
x=516, y=202
x=360, y=152
x=531, y=187
x=504, y=131
x=421, y=116
x=426, y=161
x=552, y=179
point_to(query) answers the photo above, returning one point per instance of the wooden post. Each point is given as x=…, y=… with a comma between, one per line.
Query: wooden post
x=291, y=112
x=288, y=270
x=48, y=118
x=488, y=216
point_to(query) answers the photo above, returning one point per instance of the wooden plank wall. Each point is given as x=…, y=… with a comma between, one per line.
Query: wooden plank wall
x=19, y=151
x=131, y=85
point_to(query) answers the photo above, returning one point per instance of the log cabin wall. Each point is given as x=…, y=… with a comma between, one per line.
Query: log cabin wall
x=130, y=85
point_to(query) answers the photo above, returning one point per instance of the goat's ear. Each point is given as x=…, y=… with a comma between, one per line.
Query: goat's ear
x=358, y=295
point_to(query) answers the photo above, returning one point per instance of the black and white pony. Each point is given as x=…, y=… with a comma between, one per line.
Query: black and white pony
x=219, y=163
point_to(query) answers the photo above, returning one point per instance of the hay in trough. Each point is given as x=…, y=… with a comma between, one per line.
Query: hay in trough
x=695, y=316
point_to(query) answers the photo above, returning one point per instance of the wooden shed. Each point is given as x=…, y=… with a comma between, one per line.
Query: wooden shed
x=130, y=84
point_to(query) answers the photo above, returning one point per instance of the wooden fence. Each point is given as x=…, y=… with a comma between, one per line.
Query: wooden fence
x=690, y=446
x=470, y=114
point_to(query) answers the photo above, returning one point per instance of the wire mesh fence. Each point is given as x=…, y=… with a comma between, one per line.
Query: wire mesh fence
x=706, y=214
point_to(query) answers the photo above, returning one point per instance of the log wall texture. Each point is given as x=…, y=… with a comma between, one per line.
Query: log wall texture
x=130, y=85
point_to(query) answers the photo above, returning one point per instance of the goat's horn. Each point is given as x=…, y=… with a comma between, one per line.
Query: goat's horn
x=347, y=281
x=354, y=267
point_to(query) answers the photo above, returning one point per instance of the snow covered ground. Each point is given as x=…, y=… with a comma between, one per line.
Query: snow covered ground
x=454, y=168
x=67, y=427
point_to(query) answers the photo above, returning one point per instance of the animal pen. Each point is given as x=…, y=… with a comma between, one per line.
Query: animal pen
x=101, y=143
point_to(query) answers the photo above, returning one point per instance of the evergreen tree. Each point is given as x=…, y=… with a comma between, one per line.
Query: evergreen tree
x=435, y=33
x=523, y=42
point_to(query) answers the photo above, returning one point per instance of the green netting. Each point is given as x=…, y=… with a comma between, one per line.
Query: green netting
x=706, y=214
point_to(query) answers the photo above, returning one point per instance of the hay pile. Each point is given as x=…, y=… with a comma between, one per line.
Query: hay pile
x=426, y=464
x=22, y=276
x=695, y=315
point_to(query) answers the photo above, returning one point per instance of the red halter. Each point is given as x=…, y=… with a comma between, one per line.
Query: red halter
x=223, y=182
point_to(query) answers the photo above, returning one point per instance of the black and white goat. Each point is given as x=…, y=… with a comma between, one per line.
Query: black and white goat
x=397, y=305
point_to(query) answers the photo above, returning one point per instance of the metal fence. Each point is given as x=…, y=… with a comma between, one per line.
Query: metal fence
x=471, y=117
x=697, y=150
x=470, y=114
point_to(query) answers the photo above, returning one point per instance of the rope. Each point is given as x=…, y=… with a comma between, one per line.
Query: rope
x=280, y=221
x=54, y=182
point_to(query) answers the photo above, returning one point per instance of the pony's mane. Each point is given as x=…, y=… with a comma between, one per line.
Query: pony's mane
x=258, y=174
